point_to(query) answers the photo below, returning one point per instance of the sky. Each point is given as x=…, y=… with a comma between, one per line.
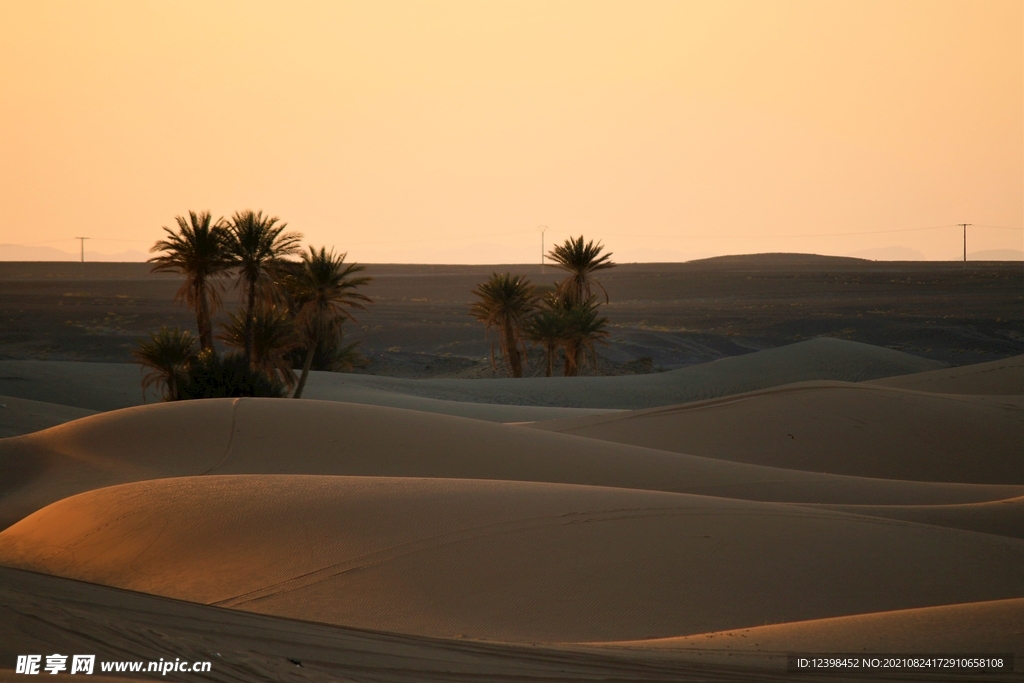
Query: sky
x=450, y=132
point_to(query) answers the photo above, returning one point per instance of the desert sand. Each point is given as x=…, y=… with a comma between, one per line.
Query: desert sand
x=22, y=416
x=1000, y=517
x=999, y=377
x=858, y=429
x=815, y=359
x=37, y=611
x=995, y=625
x=271, y=436
x=108, y=386
x=694, y=540
x=507, y=561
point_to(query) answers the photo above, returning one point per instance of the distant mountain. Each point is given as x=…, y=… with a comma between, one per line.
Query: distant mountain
x=784, y=259
x=996, y=255
x=890, y=254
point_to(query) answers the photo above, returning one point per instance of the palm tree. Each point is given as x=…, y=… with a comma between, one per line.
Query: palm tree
x=197, y=251
x=323, y=288
x=273, y=339
x=547, y=328
x=583, y=328
x=581, y=261
x=167, y=354
x=506, y=302
x=256, y=245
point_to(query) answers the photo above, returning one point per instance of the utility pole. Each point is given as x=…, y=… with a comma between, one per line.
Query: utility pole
x=964, y=226
x=542, y=229
x=82, y=240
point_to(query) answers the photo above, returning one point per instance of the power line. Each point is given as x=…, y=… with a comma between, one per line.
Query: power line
x=68, y=239
x=817, y=234
x=821, y=234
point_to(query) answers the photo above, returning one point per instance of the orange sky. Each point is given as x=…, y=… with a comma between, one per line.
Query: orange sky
x=448, y=131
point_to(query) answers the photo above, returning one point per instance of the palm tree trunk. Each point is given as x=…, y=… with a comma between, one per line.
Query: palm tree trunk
x=250, y=310
x=306, y=365
x=549, y=352
x=203, y=321
x=515, y=365
x=571, y=360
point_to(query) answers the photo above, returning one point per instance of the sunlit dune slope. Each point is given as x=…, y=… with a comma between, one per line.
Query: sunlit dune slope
x=994, y=627
x=165, y=440
x=854, y=429
x=503, y=560
x=1000, y=377
x=41, y=613
x=254, y=436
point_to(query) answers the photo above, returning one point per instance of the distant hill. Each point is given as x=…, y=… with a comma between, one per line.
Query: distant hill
x=17, y=252
x=996, y=255
x=890, y=254
x=784, y=259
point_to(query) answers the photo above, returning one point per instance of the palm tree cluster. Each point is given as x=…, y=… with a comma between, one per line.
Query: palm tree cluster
x=289, y=309
x=565, y=321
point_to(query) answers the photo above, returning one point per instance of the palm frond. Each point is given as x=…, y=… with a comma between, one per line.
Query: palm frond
x=273, y=339
x=165, y=358
x=323, y=291
x=584, y=328
x=256, y=248
x=197, y=249
x=548, y=328
x=347, y=358
x=580, y=260
x=505, y=302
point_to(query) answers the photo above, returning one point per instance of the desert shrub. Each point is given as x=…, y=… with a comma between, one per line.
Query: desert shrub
x=211, y=376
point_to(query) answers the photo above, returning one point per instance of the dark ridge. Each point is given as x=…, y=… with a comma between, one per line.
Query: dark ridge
x=784, y=259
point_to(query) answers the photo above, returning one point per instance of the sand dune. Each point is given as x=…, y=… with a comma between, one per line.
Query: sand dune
x=816, y=359
x=508, y=561
x=1001, y=517
x=841, y=514
x=995, y=627
x=268, y=436
x=331, y=386
x=168, y=439
x=107, y=386
x=39, y=612
x=20, y=416
x=692, y=524
x=1000, y=377
x=95, y=386
x=110, y=386
x=854, y=429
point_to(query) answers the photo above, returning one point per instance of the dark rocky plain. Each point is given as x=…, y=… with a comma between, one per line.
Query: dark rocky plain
x=661, y=315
